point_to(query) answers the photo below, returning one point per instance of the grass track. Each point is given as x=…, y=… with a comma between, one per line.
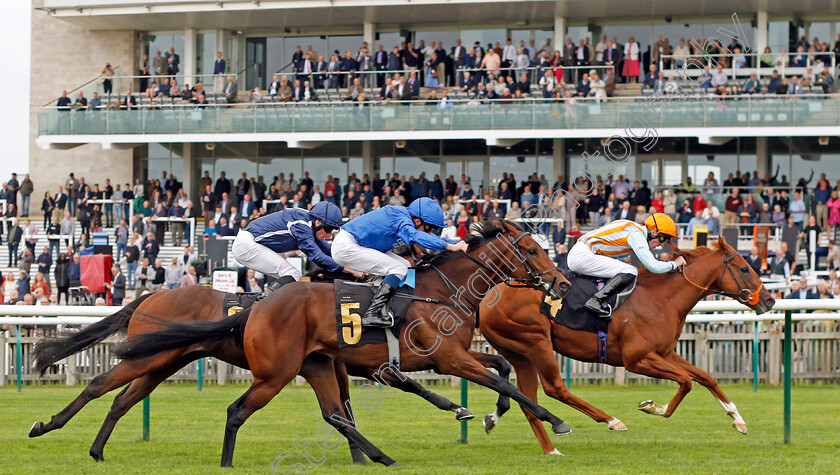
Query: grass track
x=187, y=429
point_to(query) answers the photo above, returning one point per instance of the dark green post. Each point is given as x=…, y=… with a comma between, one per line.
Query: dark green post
x=18, y=358
x=464, y=401
x=200, y=373
x=787, y=349
x=568, y=372
x=146, y=419
x=755, y=356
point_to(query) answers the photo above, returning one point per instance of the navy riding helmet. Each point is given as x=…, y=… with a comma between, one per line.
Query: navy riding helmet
x=328, y=214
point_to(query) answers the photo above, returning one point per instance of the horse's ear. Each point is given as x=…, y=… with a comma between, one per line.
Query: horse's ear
x=721, y=242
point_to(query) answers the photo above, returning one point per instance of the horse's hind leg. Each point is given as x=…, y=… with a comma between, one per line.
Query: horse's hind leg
x=343, y=381
x=656, y=366
x=254, y=399
x=102, y=384
x=135, y=392
x=709, y=383
x=503, y=368
x=320, y=373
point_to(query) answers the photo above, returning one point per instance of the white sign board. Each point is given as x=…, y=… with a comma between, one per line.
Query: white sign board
x=225, y=280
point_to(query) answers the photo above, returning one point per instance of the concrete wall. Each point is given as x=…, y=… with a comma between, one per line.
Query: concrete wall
x=65, y=56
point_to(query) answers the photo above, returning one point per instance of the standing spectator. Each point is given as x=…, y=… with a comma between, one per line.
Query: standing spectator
x=805, y=236
x=821, y=196
x=150, y=247
x=218, y=70
x=23, y=283
x=631, y=69
x=15, y=234
x=733, y=203
x=62, y=279
x=30, y=234
x=189, y=279
x=158, y=276
x=68, y=230
x=797, y=210
x=54, y=237
x=121, y=238
x=26, y=188
x=14, y=187
x=40, y=283
x=47, y=207
x=27, y=258
x=833, y=205
x=116, y=286
x=74, y=271
x=72, y=187
x=132, y=255
x=174, y=274
x=45, y=262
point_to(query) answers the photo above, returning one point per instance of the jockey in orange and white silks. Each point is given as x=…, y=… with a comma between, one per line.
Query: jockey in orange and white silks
x=598, y=253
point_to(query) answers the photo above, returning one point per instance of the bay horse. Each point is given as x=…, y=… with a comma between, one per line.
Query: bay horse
x=170, y=305
x=642, y=335
x=279, y=332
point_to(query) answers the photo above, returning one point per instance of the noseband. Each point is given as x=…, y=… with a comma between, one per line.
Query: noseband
x=745, y=296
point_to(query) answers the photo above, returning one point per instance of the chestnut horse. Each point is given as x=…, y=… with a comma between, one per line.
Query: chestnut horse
x=279, y=332
x=169, y=305
x=642, y=335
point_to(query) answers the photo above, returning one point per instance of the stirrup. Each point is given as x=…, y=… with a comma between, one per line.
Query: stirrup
x=599, y=309
x=380, y=320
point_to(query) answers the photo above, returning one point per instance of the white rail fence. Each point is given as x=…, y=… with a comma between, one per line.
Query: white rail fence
x=735, y=346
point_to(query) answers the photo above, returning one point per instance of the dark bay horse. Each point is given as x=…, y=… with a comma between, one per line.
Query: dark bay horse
x=279, y=332
x=642, y=335
x=168, y=305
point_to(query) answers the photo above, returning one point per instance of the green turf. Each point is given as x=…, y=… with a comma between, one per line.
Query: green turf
x=187, y=428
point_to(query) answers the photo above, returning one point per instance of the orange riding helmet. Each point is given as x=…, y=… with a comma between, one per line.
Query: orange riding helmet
x=662, y=223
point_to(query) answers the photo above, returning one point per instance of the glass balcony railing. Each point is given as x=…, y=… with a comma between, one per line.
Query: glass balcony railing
x=345, y=117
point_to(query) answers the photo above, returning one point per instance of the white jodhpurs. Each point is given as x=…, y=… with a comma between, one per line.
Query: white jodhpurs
x=582, y=260
x=255, y=256
x=347, y=252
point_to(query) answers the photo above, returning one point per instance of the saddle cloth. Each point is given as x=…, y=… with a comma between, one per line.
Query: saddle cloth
x=238, y=302
x=571, y=310
x=351, y=302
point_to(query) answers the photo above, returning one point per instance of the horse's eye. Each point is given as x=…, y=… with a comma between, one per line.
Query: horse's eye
x=745, y=270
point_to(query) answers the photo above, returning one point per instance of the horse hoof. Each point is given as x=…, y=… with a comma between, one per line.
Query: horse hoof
x=97, y=457
x=555, y=452
x=647, y=406
x=488, y=423
x=561, y=429
x=740, y=427
x=36, y=429
x=462, y=414
x=616, y=424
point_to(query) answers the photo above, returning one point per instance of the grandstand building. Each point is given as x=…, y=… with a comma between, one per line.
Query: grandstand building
x=678, y=128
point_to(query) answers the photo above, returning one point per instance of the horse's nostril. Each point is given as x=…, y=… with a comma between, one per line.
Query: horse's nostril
x=564, y=285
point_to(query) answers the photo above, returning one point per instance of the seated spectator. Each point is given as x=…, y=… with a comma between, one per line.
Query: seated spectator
x=800, y=59
x=752, y=86
x=720, y=80
x=705, y=79
x=514, y=212
x=795, y=87
x=697, y=220
x=81, y=103
x=560, y=258
x=524, y=85
x=584, y=86
x=649, y=83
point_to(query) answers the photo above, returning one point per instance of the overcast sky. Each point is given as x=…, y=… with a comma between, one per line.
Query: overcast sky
x=14, y=81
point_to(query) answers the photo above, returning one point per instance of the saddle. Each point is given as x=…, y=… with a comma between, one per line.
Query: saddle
x=352, y=300
x=571, y=310
x=238, y=302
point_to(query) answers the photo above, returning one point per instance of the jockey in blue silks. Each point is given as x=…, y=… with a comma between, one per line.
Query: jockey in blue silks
x=365, y=244
x=259, y=244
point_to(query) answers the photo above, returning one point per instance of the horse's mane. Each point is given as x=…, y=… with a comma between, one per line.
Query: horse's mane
x=480, y=233
x=689, y=256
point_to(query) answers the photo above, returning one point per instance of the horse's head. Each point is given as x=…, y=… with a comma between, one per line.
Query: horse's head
x=740, y=281
x=513, y=252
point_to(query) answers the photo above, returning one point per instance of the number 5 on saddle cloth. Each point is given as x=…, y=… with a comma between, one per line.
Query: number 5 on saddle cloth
x=571, y=310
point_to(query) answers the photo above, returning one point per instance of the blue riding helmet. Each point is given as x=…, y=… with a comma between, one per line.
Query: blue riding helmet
x=327, y=213
x=428, y=210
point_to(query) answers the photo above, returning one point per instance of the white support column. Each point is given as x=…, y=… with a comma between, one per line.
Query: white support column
x=220, y=45
x=367, y=157
x=560, y=159
x=188, y=63
x=369, y=35
x=187, y=172
x=559, y=31
x=761, y=31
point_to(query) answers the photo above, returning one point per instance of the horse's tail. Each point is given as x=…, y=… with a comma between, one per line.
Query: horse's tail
x=179, y=335
x=49, y=351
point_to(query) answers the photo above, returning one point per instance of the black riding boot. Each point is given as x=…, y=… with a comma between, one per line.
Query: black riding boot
x=374, y=316
x=272, y=287
x=612, y=287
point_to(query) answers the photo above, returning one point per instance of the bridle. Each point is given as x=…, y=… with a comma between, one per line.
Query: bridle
x=534, y=279
x=745, y=296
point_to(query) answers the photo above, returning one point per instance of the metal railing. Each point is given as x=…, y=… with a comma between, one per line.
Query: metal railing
x=692, y=65
x=498, y=114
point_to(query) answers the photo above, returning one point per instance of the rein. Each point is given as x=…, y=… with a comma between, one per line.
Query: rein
x=745, y=296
